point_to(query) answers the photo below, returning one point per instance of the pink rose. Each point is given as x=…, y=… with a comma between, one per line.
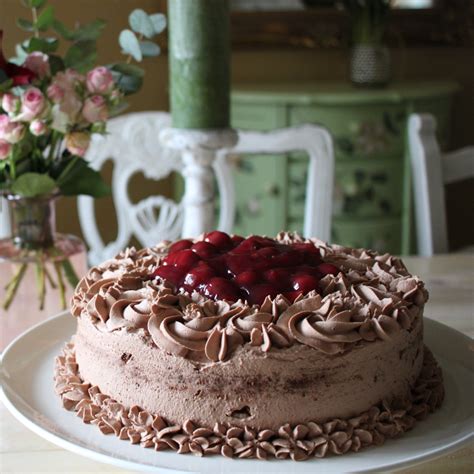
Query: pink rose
x=11, y=132
x=38, y=63
x=95, y=109
x=63, y=92
x=33, y=105
x=78, y=143
x=100, y=80
x=5, y=148
x=4, y=124
x=38, y=128
x=10, y=103
x=55, y=93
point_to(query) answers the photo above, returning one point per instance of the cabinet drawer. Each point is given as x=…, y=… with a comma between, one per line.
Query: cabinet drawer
x=257, y=117
x=382, y=235
x=359, y=131
x=362, y=188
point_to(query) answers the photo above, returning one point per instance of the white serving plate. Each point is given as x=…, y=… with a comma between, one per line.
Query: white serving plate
x=27, y=390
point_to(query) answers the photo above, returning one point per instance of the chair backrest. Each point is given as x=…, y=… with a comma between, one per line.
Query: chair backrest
x=312, y=139
x=133, y=145
x=431, y=170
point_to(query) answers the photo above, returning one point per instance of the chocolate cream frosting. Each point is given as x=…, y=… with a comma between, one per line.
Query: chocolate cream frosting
x=355, y=350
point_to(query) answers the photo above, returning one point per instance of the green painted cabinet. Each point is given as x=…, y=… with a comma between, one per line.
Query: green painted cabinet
x=372, y=198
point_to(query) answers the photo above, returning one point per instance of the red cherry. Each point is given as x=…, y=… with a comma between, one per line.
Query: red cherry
x=258, y=293
x=170, y=273
x=198, y=276
x=278, y=277
x=184, y=258
x=236, y=240
x=247, y=278
x=267, y=252
x=238, y=263
x=221, y=289
x=305, y=283
x=328, y=268
x=220, y=239
x=204, y=249
x=288, y=259
x=180, y=245
x=307, y=248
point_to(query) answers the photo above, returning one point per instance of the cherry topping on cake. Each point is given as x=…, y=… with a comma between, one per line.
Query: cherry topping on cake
x=230, y=268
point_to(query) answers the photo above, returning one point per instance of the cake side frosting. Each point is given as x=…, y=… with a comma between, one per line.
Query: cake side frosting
x=301, y=441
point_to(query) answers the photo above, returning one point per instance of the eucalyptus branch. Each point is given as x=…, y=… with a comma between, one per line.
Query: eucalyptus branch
x=34, y=14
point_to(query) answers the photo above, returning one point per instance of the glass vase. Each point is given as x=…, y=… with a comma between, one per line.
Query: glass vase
x=38, y=266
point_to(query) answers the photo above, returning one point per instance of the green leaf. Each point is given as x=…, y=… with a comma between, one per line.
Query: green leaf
x=45, y=45
x=5, y=83
x=149, y=49
x=33, y=184
x=82, y=179
x=81, y=55
x=37, y=3
x=130, y=44
x=159, y=22
x=90, y=31
x=128, y=77
x=33, y=3
x=56, y=64
x=140, y=23
x=25, y=24
x=45, y=19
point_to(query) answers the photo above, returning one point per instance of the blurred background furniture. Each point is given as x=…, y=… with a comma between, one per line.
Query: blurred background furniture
x=261, y=148
x=431, y=170
x=372, y=196
x=133, y=145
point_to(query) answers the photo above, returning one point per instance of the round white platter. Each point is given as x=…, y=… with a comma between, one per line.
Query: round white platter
x=27, y=390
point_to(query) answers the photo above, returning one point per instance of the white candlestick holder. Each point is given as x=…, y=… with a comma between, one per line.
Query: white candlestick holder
x=198, y=148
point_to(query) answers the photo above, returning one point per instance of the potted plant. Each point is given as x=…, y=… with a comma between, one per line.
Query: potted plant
x=50, y=106
x=370, y=58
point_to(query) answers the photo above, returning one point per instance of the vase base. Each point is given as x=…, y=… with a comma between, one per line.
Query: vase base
x=64, y=246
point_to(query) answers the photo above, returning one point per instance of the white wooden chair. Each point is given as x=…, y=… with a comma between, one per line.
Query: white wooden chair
x=431, y=170
x=133, y=145
x=316, y=142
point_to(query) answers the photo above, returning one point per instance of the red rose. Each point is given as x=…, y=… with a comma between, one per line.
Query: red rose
x=20, y=75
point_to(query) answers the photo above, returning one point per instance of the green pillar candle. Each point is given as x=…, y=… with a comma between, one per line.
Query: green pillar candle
x=199, y=54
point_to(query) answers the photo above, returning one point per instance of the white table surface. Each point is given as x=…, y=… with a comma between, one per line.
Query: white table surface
x=450, y=281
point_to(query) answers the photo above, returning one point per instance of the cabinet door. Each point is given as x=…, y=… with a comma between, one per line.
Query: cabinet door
x=260, y=184
x=260, y=181
x=368, y=188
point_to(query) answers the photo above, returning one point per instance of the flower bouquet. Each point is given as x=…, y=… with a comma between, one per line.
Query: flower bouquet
x=50, y=105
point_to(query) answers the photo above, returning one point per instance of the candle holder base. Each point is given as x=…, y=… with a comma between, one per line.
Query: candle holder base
x=199, y=148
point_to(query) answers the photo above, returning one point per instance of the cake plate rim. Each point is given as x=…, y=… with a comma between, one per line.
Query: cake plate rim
x=47, y=337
